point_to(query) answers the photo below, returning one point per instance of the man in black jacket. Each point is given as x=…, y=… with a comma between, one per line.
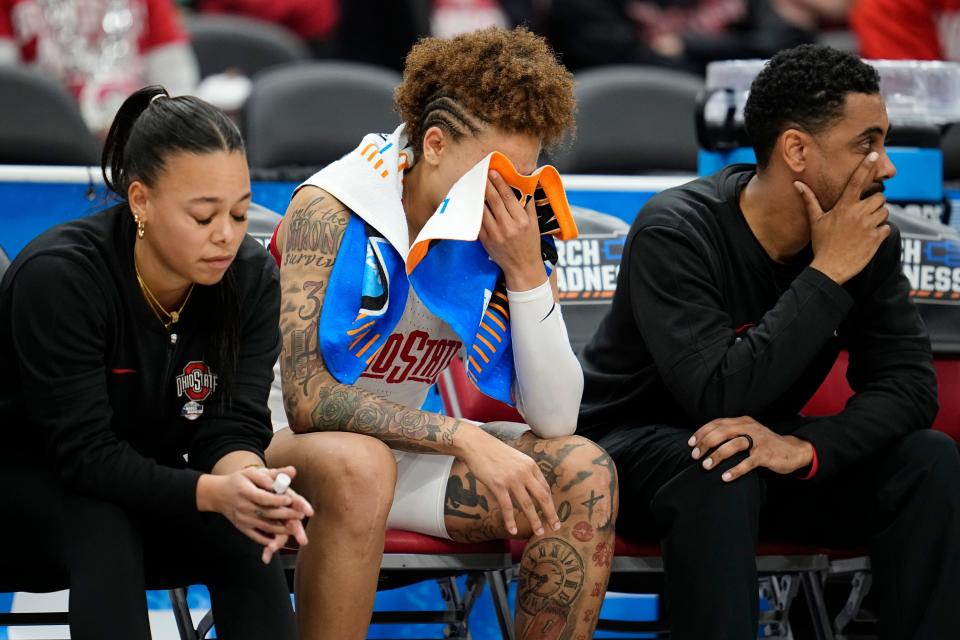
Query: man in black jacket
x=735, y=295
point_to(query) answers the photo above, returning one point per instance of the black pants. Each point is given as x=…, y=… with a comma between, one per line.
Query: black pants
x=51, y=538
x=903, y=504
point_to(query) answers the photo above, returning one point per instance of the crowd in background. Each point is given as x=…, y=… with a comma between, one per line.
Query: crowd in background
x=102, y=50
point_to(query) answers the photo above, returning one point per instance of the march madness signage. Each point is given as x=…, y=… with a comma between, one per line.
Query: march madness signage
x=587, y=268
x=932, y=266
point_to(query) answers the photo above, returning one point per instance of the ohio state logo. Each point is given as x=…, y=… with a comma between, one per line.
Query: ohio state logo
x=196, y=382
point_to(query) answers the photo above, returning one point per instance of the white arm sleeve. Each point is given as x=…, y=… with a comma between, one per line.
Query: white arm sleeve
x=549, y=382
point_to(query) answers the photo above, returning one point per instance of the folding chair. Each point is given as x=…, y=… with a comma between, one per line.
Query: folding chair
x=40, y=122
x=223, y=42
x=854, y=565
x=784, y=568
x=280, y=119
x=633, y=119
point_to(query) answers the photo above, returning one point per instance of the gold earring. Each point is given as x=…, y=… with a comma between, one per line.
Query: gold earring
x=141, y=226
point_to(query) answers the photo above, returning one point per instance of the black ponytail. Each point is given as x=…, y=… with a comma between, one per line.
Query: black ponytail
x=150, y=127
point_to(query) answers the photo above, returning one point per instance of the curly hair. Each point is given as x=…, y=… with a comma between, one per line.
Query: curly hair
x=508, y=79
x=803, y=87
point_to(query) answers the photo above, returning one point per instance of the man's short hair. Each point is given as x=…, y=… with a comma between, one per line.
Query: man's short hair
x=803, y=87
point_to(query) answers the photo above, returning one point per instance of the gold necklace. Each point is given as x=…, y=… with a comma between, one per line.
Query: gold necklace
x=174, y=316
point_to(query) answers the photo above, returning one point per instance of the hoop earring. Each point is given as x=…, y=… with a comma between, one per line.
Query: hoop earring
x=141, y=226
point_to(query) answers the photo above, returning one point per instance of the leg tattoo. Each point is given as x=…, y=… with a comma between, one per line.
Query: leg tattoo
x=458, y=495
x=551, y=578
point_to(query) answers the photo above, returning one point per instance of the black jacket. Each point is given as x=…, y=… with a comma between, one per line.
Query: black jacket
x=705, y=325
x=93, y=382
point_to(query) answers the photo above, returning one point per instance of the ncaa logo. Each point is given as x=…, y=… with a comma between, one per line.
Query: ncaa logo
x=196, y=382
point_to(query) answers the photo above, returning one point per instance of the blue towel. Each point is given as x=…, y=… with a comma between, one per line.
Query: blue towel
x=364, y=301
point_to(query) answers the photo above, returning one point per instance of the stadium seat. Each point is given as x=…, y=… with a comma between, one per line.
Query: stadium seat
x=791, y=566
x=633, y=119
x=830, y=399
x=834, y=393
x=40, y=122
x=225, y=42
x=310, y=114
x=783, y=568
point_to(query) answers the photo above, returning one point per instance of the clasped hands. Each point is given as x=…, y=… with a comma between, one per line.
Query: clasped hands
x=720, y=439
x=245, y=497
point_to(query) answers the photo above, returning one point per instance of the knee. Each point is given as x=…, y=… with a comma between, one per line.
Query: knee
x=700, y=496
x=99, y=531
x=585, y=478
x=353, y=478
x=927, y=447
x=935, y=454
x=225, y=545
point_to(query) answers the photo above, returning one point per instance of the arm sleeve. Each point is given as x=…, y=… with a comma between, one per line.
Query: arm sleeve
x=549, y=382
x=242, y=421
x=710, y=370
x=61, y=333
x=891, y=372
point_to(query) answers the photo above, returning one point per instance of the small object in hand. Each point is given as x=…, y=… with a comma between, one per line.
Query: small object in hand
x=281, y=484
x=749, y=441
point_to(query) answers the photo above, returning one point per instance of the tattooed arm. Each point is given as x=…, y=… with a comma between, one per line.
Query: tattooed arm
x=309, y=238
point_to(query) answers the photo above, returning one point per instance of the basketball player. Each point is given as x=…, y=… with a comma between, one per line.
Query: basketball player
x=364, y=447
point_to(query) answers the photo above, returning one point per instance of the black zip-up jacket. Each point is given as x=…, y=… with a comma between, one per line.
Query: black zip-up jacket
x=705, y=325
x=91, y=381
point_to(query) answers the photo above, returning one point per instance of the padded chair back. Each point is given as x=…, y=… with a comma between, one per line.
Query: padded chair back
x=223, y=42
x=633, y=119
x=40, y=122
x=835, y=391
x=311, y=114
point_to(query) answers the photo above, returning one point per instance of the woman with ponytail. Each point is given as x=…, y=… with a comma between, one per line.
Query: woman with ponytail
x=137, y=348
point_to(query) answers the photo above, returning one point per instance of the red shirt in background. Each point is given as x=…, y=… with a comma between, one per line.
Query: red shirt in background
x=95, y=48
x=26, y=22
x=908, y=29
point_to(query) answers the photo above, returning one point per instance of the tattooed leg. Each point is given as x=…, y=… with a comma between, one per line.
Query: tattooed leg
x=563, y=573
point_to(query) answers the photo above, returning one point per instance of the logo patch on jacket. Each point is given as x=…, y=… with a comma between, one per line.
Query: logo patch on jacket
x=196, y=382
